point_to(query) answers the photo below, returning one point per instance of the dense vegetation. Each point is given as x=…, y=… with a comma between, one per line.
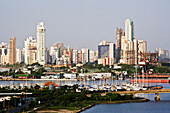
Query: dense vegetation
x=160, y=69
x=67, y=97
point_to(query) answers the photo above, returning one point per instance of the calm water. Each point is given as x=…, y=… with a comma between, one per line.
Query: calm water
x=163, y=106
x=147, y=107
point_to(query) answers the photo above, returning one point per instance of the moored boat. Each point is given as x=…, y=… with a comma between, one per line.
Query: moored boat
x=157, y=87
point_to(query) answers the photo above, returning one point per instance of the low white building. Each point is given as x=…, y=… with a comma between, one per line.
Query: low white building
x=69, y=76
x=101, y=75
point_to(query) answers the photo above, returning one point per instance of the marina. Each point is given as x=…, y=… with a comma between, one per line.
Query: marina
x=91, y=85
x=146, y=107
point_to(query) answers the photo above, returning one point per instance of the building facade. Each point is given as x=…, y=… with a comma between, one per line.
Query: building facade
x=12, y=51
x=30, y=50
x=85, y=55
x=4, y=53
x=119, y=34
x=41, y=43
x=129, y=30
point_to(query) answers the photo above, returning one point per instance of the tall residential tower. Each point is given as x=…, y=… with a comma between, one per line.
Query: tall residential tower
x=12, y=51
x=41, y=43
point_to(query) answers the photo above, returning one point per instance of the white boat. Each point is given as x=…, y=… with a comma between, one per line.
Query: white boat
x=129, y=88
x=136, y=87
x=119, y=88
x=91, y=89
x=144, y=88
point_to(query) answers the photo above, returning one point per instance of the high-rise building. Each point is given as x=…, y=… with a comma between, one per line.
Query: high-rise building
x=92, y=56
x=142, y=49
x=135, y=48
x=30, y=50
x=57, y=50
x=19, y=56
x=47, y=57
x=4, y=53
x=103, y=49
x=32, y=56
x=41, y=43
x=131, y=49
x=79, y=56
x=106, y=53
x=124, y=47
x=128, y=30
x=111, y=53
x=119, y=34
x=54, y=53
x=129, y=45
x=75, y=56
x=85, y=55
x=12, y=51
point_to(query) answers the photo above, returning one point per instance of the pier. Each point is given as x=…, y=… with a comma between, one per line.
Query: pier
x=142, y=92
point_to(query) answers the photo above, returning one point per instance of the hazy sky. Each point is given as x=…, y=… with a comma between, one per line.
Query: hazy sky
x=85, y=23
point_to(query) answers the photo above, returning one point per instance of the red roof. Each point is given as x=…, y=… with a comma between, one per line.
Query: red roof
x=49, y=83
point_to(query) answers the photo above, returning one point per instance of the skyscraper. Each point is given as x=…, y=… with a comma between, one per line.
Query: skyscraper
x=128, y=30
x=19, y=56
x=41, y=43
x=75, y=56
x=129, y=45
x=85, y=55
x=12, y=51
x=111, y=53
x=30, y=47
x=119, y=34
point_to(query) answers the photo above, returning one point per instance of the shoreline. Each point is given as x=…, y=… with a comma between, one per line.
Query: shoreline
x=114, y=102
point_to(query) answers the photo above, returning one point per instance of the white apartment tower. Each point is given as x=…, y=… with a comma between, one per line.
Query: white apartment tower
x=111, y=53
x=75, y=56
x=19, y=56
x=85, y=55
x=30, y=44
x=92, y=56
x=41, y=43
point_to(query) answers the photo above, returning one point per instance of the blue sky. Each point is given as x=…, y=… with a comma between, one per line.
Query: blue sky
x=85, y=23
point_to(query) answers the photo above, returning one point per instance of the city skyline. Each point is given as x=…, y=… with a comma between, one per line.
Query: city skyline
x=86, y=27
x=126, y=50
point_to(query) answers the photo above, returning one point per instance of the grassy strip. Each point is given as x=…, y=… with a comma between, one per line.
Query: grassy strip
x=91, y=104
